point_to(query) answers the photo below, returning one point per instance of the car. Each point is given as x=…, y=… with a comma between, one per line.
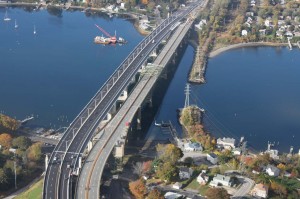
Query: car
x=153, y=41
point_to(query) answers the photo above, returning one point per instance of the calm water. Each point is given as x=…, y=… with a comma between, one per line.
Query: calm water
x=54, y=73
x=251, y=92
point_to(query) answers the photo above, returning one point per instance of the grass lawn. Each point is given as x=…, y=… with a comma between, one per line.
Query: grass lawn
x=195, y=185
x=34, y=192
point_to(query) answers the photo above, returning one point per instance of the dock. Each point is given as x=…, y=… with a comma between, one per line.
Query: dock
x=290, y=45
x=26, y=119
x=298, y=44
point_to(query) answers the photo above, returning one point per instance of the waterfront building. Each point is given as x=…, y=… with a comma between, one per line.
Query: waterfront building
x=227, y=143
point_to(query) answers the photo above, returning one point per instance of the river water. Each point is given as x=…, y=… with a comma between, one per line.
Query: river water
x=54, y=73
x=251, y=92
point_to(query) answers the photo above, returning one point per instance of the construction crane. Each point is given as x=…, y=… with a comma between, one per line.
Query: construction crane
x=113, y=39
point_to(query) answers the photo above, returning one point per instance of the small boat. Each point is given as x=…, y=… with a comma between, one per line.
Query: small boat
x=34, y=30
x=16, y=25
x=6, y=18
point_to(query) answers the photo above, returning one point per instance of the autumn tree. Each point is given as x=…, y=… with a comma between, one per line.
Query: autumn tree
x=34, y=152
x=21, y=142
x=169, y=153
x=167, y=171
x=279, y=189
x=147, y=166
x=155, y=194
x=5, y=140
x=217, y=193
x=138, y=188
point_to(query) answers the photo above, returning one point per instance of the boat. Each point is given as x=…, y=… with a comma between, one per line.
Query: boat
x=101, y=40
x=121, y=40
x=16, y=25
x=6, y=18
x=34, y=30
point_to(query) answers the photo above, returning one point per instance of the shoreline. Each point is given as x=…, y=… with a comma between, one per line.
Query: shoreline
x=242, y=45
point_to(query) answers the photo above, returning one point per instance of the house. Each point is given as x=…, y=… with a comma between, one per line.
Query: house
x=268, y=23
x=177, y=185
x=249, y=14
x=185, y=173
x=193, y=146
x=252, y=3
x=221, y=180
x=297, y=34
x=262, y=32
x=272, y=170
x=227, y=143
x=237, y=151
x=247, y=24
x=12, y=150
x=173, y=195
x=260, y=190
x=201, y=24
x=289, y=34
x=244, y=32
x=212, y=157
x=202, y=178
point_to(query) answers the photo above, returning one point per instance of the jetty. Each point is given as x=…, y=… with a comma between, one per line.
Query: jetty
x=26, y=119
x=298, y=44
x=290, y=45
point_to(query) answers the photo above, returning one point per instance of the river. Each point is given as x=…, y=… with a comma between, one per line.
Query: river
x=251, y=92
x=53, y=74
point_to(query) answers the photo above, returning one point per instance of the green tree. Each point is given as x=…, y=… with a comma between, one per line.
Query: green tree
x=21, y=142
x=167, y=171
x=169, y=153
x=155, y=194
x=217, y=193
x=3, y=177
x=34, y=152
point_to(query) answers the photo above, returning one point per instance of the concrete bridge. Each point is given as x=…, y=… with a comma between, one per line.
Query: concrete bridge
x=64, y=161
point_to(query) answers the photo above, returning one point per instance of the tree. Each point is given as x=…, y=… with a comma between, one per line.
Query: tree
x=147, y=166
x=167, y=171
x=155, y=194
x=34, y=152
x=138, y=168
x=279, y=189
x=169, y=153
x=217, y=193
x=3, y=177
x=138, y=188
x=5, y=140
x=21, y=142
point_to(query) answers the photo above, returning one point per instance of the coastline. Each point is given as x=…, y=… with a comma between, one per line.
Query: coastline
x=242, y=45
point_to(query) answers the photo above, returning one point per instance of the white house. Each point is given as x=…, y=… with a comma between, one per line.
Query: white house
x=272, y=170
x=172, y=195
x=268, y=23
x=202, y=178
x=177, y=185
x=237, y=151
x=221, y=180
x=12, y=150
x=185, y=172
x=200, y=25
x=244, y=32
x=260, y=190
x=212, y=157
x=192, y=146
x=227, y=143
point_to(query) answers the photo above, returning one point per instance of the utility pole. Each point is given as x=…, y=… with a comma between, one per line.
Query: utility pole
x=187, y=95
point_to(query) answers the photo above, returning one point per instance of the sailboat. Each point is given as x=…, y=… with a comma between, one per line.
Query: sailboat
x=16, y=25
x=6, y=18
x=34, y=30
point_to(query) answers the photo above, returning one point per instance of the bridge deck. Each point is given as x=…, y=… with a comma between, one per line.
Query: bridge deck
x=90, y=177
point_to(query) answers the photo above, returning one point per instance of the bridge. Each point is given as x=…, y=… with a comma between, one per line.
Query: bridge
x=64, y=159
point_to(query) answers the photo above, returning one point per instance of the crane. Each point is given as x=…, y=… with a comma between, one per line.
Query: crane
x=113, y=39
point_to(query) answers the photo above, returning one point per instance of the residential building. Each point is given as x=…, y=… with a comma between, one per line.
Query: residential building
x=202, y=178
x=237, y=151
x=227, y=143
x=260, y=190
x=221, y=180
x=272, y=170
x=212, y=157
x=177, y=185
x=173, y=195
x=192, y=146
x=185, y=172
x=244, y=32
x=201, y=24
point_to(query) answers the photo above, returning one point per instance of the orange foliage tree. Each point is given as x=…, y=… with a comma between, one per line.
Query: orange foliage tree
x=5, y=140
x=147, y=166
x=155, y=194
x=138, y=188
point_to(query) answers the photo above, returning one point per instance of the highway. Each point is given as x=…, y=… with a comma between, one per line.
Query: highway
x=90, y=176
x=65, y=155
